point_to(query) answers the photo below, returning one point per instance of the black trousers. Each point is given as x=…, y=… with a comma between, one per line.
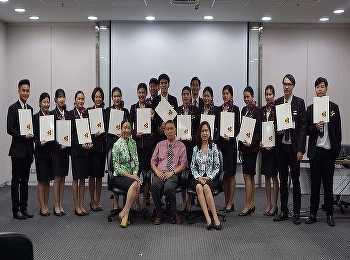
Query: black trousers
x=322, y=169
x=158, y=188
x=287, y=158
x=19, y=182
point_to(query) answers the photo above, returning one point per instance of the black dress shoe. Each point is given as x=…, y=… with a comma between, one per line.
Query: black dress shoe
x=282, y=216
x=330, y=221
x=26, y=213
x=311, y=219
x=19, y=215
x=243, y=214
x=296, y=219
x=210, y=226
x=218, y=227
x=78, y=213
x=58, y=214
x=46, y=214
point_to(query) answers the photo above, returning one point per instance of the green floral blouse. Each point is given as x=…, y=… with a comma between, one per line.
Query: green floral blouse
x=124, y=156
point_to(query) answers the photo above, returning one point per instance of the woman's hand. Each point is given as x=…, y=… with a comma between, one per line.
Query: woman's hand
x=42, y=143
x=135, y=177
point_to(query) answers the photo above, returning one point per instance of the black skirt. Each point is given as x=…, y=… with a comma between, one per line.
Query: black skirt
x=80, y=167
x=249, y=162
x=60, y=163
x=44, y=169
x=123, y=182
x=269, y=163
x=97, y=164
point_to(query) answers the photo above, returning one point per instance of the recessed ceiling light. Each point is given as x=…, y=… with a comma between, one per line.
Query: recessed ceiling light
x=208, y=17
x=34, y=17
x=20, y=10
x=150, y=18
x=339, y=11
x=254, y=29
x=266, y=18
x=4, y=1
x=103, y=27
x=92, y=18
x=324, y=19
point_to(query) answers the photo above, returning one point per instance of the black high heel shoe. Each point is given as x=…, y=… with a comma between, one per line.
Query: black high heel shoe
x=218, y=227
x=58, y=214
x=78, y=214
x=247, y=213
x=270, y=214
x=253, y=209
x=210, y=226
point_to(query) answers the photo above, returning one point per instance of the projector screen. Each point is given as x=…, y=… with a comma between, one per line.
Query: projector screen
x=214, y=52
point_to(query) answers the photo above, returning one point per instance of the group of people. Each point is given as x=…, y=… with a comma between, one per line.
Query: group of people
x=166, y=156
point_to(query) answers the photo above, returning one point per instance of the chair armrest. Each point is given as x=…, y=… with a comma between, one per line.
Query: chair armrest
x=143, y=175
x=221, y=180
x=110, y=180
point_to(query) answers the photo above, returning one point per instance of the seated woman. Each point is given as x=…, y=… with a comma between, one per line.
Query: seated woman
x=205, y=166
x=126, y=167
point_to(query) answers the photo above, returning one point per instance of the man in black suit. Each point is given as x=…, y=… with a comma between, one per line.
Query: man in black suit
x=21, y=152
x=195, y=88
x=164, y=82
x=290, y=147
x=323, y=148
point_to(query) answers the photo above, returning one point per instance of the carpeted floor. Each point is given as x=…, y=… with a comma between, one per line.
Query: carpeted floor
x=251, y=237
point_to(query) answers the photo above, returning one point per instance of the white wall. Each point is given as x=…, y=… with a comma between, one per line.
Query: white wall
x=51, y=56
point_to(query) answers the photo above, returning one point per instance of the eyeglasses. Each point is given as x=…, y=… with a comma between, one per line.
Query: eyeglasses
x=288, y=84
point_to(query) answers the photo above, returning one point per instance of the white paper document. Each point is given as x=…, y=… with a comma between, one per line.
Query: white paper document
x=247, y=129
x=284, y=117
x=83, y=130
x=321, y=109
x=47, y=128
x=211, y=120
x=165, y=110
x=143, y=116
x=64, y=132
x=268, y=134
x=227, y=124
x=115, y=118
x=96, y=120
x=184, y=127
x=25, y=121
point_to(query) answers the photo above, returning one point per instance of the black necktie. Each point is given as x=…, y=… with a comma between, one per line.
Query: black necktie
x=25, y=106
x=287, y=132
x=321, y=133
x=195, y=103
x=170, y=158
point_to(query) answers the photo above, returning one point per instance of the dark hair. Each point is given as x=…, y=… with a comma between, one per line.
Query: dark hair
x=153, y=81
x=123, y=122
x=117, y=89
x=195, y=78
x=290, y=77
x=186, y=88
x=163, y=76
x=321, y=80
x=209, y=89
x=249, y=89
x=198, y=135
x=270, y=87
x=229, y=88
x=97, y=89
x=170, y=122
x=78, y=92
x=142, y=85
x=43, y=96
x=23, y=82
x=59, y=92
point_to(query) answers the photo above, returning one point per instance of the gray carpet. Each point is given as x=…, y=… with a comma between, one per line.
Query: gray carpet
x=252, y=237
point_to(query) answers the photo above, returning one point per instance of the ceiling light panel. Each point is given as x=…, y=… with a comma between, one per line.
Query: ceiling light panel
x=130, y=3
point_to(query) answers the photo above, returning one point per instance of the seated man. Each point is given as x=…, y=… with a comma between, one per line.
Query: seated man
x=169, y=159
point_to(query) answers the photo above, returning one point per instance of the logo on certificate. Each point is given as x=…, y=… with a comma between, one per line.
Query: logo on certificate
x=86, y=135
x=286, y=120
x=229, y=129
x=186, y=131
x=28, y=127
x=270, y=138
x=117, y=127
x=66, y=138
x=145, y=125
x=49, y=132
x=324, y=113
x=170, y=112
x=99, y=125
x=247, y=135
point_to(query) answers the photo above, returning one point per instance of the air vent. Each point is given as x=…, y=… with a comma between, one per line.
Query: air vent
x=184, y=2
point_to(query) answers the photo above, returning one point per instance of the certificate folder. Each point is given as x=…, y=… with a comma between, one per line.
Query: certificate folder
x=115, y=118
x=83, y=130
x=284, y=117
x=47, y=128
x=25, y=121
x=321, y=109
x=184, y=127
x=227, y=124
x=165, y=110
x=211, y=120
x=247, y=129
x=63, y=132
x=268, y=134
x=143, y=116
x=96, y=120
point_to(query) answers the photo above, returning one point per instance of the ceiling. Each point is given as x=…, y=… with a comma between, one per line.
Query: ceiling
x=281, y=11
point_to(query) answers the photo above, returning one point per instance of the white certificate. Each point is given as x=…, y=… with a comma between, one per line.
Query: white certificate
x=115, y=118
x=211, y=120
x=227, y=124
x=247, y=129
x=165, y=110
x=321, y=109
x=96, y=120
x=143, y=123
x=268, y=134
x=284, y=117
x=83, y=130
x=63, y=132
x=25, y=121
x=184, y=127
x=47, y=128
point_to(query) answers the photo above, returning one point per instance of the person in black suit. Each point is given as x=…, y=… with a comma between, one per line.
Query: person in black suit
x=323, y=148
x=21, y=152
x=196, y=100
x=43, y=158
x=164, y=82
x=290, y=148
x=153, y=89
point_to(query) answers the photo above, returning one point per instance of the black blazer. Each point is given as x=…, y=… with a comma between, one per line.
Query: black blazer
x=20, y=146
x=41, y=152
x=99, y=142
x=334, y=130
x=76, y=149
x=255, y=144
x=298, y=134
x=201, y=103
x=111, y=138
x=231, y=144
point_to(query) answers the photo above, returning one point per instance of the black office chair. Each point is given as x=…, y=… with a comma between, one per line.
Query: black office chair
x=117, y=191
x=14, y=246
x=191, y=215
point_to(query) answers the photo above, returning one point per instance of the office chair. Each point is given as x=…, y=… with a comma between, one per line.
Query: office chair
x=191, y=215
x=14, y=246
x=117, y=191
